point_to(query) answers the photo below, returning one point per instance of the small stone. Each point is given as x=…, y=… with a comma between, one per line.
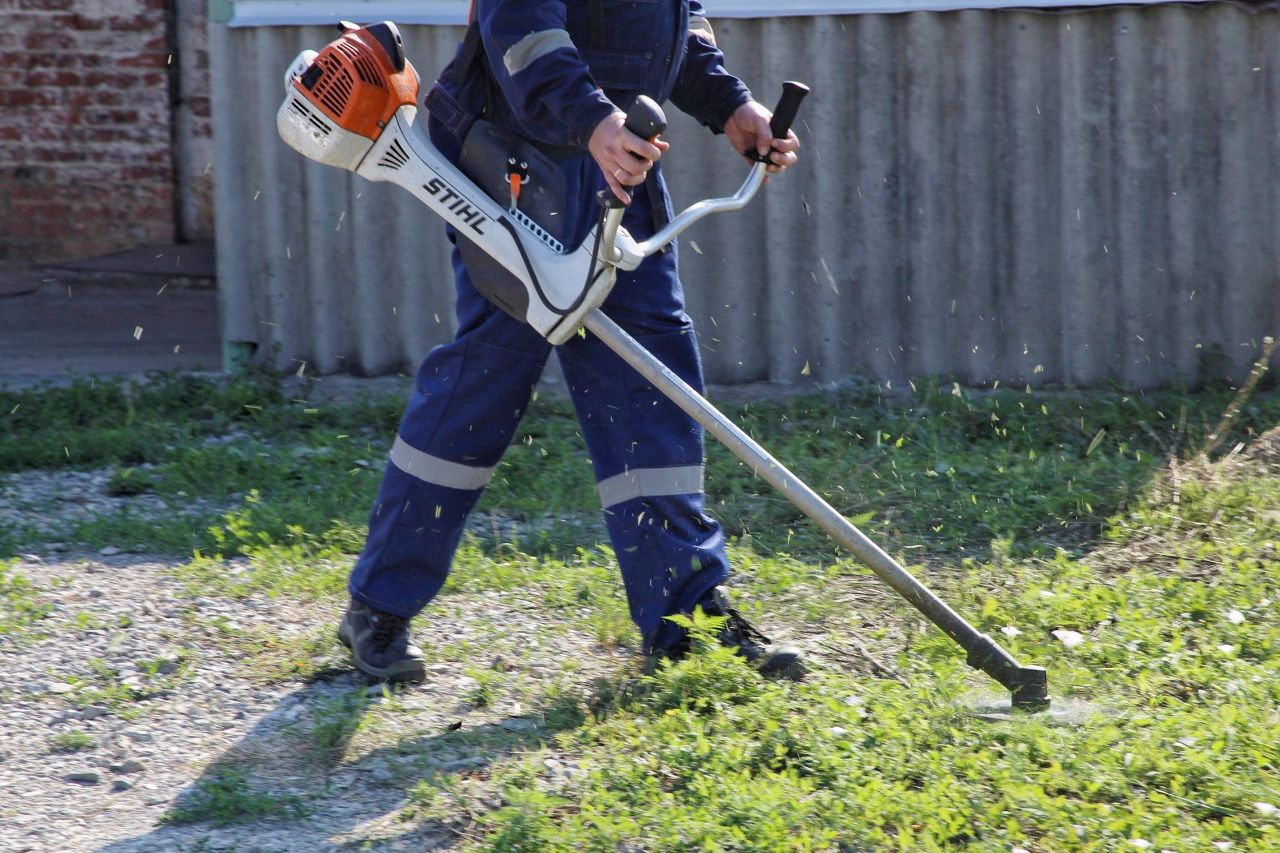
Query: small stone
x=84, y=777
x=109, y=551
x=132, y=765
x=93, y=712
x=120, y=785
x=519, y=724
x=138, y=735
x=61, y=687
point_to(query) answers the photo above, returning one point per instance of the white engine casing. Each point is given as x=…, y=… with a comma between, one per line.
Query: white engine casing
x=559, y=295
x=310, y=132
x=403, y=155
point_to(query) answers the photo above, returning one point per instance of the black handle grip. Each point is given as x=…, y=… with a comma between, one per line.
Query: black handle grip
x=645, y=118
x=788, y=105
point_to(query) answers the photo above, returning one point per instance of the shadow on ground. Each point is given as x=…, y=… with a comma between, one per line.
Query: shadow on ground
x=305, y=777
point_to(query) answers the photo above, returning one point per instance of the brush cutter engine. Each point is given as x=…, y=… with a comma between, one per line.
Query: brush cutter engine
x=354, y=105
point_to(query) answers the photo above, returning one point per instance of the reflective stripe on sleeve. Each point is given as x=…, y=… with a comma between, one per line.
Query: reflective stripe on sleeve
x=700, y=26
x=533, y=47
x=650, y=483
x=437, y=471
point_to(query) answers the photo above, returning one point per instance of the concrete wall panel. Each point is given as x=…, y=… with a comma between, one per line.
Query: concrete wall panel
x=1074, y=197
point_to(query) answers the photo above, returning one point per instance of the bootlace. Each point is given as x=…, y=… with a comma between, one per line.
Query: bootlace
x=386, y=627
x=741, y=629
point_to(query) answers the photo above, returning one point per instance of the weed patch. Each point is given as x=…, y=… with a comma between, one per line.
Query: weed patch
x=20, y=604
x=228, y=797
x=75, y=740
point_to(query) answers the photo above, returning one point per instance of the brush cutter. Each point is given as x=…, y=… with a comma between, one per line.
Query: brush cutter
x=354, y=105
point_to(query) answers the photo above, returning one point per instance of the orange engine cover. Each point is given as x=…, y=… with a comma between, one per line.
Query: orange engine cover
x=356, y=82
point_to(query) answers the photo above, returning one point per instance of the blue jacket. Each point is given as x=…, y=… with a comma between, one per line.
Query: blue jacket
x=563, y=66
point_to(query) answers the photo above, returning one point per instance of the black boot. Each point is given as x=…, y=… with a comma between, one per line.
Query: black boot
x=770, y=659
x=379, y=642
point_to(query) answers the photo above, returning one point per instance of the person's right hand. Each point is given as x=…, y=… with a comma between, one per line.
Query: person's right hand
x=623, y=157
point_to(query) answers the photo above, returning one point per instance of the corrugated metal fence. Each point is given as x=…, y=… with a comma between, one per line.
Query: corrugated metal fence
x=1074, y=197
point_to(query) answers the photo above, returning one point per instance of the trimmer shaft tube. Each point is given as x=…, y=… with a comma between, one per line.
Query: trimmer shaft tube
x=1028, y=685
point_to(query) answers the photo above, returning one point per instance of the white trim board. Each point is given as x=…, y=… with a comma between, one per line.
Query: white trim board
x=269, y=13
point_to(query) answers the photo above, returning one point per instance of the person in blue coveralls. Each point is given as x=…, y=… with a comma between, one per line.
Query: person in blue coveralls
x=560, y=75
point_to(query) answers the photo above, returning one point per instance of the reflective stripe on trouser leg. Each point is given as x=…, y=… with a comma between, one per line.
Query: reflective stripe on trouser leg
x=647, y=453
x=671, y=555
x=467, y=402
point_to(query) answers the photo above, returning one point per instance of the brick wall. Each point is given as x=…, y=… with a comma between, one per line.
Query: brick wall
x=87, y=128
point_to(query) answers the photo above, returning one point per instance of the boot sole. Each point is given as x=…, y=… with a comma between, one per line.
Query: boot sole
x=405, y=671
x=791, y=669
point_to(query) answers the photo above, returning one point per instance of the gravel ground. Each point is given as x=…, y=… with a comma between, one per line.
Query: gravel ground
x=162, y=690
x=203, y=710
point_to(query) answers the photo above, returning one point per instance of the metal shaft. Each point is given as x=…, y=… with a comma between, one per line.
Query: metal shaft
x=1028, y=684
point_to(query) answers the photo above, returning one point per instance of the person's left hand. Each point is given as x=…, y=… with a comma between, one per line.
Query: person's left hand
x=748, y=128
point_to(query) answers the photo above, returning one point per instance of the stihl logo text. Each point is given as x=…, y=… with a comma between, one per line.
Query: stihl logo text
x=456, y=204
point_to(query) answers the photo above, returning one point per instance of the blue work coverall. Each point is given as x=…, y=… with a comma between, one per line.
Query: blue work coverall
x=560, y=68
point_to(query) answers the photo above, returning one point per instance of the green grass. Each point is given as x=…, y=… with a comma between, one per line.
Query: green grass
x=75, y=740
x=1032, y=514
x=20, y=604
x=227, y=797
x=1184, y=649
x=944, y=471
x=103, y=686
